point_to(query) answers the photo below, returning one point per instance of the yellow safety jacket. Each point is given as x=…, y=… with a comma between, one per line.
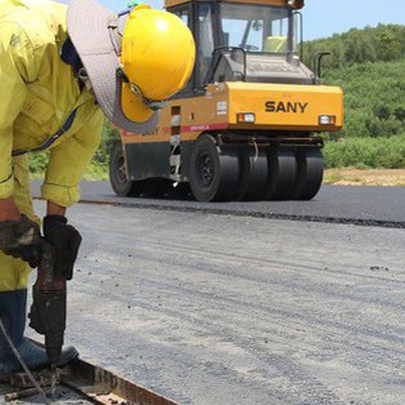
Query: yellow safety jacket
x=38, y=92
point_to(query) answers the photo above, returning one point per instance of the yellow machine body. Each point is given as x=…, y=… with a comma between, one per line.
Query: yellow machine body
x=275, y=107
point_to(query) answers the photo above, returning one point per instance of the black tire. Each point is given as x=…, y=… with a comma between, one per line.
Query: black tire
x=282, y=174
x=309, y=174
x=214, y=173
x=255, y=173
x=118, y=177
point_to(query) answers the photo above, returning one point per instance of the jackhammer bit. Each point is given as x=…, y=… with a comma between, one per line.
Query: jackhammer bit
x=48, y=310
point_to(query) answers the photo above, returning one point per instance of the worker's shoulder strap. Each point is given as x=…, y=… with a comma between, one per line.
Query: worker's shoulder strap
x=64, y=128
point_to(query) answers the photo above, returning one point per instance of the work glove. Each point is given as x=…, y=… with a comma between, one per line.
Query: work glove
x=21, y=239
x=66, y=240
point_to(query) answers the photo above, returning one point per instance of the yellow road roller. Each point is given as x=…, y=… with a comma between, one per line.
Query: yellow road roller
x=246, y=126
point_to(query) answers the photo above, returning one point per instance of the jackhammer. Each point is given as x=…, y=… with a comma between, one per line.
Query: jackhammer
x=48, y=310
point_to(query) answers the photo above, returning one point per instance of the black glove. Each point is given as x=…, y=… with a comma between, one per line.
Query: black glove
x=21, y=239
x=66, y=240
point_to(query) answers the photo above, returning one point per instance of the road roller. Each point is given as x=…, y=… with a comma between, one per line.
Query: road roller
x=247, y=125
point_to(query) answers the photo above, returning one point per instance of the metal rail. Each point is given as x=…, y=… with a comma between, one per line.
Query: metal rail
x=103, y=387
x=93, y=384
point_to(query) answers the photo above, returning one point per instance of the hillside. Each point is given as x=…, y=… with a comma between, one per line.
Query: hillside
x=369, y=65
x=374, y=97
x=383, y=43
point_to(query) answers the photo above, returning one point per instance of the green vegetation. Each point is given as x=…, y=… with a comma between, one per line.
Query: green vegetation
x=374, y=97
x=369, y=65
x=384, y=43
x=364, y=153
x=374, y=130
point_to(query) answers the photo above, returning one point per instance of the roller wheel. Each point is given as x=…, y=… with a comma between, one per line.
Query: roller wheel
x=118, y=176
x=214, y=172
x=255, y=171
x=282, y=174
x=309, y=174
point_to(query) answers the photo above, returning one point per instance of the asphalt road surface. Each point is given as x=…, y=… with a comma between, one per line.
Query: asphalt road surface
x=375, y=206
x=228, y=309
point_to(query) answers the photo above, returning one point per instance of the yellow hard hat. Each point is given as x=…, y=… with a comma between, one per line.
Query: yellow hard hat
x=158, y=54
x=133, y=60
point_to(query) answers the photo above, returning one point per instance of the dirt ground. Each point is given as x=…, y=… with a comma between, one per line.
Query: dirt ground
x=372, y=177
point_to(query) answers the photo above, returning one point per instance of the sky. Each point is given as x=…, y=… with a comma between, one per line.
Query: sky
x=323, y=18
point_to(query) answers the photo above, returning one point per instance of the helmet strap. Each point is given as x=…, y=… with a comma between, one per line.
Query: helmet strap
x=121, y=75
x=115, y=37
x=153, y=105
x=84, y=78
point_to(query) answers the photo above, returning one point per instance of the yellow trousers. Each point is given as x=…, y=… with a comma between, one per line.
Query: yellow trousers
x=14, y=272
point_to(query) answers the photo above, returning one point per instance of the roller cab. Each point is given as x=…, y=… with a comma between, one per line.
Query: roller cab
x=246, y=124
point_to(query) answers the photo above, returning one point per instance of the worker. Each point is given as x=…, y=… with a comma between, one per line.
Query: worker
x=61, y=68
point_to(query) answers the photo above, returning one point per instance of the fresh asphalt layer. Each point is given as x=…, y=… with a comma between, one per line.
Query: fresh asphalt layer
x=360, y=205
x=216, y=310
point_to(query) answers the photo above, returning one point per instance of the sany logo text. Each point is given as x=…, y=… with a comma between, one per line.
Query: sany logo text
x=288, y=107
